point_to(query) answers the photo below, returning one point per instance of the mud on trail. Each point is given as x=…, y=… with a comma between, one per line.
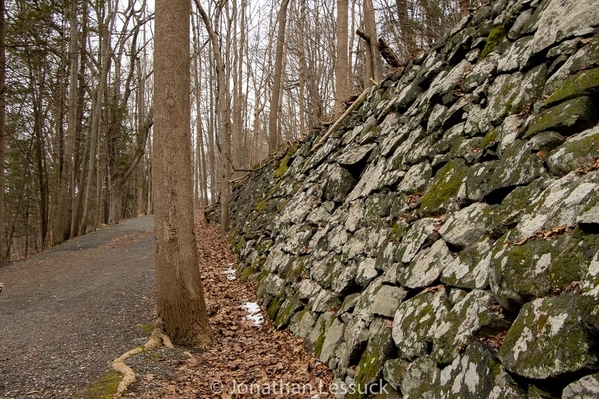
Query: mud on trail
x=65, y=314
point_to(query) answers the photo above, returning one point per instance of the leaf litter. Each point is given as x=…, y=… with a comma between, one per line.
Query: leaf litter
x=250, y=358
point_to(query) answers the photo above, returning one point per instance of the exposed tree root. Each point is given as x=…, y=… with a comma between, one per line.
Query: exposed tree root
x=156, y=340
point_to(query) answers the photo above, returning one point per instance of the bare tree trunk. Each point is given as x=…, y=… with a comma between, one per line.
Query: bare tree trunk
x=405, y=26
x=202, y=183
x=181, y=308
x=302, y=67
x=274, y=136
x=464, y=8
x=373, y=70
x=238, y=98
x=3, y=243
x=94, y=135
x=62, y=218
x=225, y=123
x=82, y=162
x=141, y=119
x=341, y=60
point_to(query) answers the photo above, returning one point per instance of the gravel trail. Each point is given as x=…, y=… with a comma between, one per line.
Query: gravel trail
x=65, y=314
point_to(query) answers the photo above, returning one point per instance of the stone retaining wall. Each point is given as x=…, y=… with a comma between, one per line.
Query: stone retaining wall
x=445, y=237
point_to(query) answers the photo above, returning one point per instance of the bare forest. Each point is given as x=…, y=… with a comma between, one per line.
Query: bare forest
x=76, y=90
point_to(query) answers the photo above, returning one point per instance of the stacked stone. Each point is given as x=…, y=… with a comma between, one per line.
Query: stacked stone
x=444, y=239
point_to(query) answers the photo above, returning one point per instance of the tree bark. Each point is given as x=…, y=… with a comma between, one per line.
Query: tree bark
x=464, y=8
x=406, y=26
x=225, y=123
x=3, y=243
x=373, y=70
x=274, y=138
x=342, y=59
x=62, y=219
x=181, y=308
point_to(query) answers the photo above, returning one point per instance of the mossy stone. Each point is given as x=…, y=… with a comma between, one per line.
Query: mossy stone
x=444, y=188
x=584, y=83
x=579, y=152
x=496, y=36
x=399, y=230
x=378, y=350
x=283, y=166
x=549, y=338
x=569, y=117
x=275, y=304
x=286, y=311
x=537, y=268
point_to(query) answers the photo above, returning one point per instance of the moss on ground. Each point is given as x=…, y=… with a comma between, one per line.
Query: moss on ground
x=147, y=328
x=104, y=387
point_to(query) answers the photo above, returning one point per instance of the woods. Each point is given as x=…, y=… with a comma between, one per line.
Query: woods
x=76, y=112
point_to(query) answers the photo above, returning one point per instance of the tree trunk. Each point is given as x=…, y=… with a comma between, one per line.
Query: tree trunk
x=464, y=8
x=373, y=70
x=3, y=243
x=406, y=26
x=224, y=122
x=302, y=67
x=62, y=218
x=180, y=299
x=342, y=59
x=274, y=137
x=96, y=113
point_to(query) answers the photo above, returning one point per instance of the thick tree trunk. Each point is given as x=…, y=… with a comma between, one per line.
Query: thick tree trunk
x=181, y=308
x=94, y=135
x=62, y=218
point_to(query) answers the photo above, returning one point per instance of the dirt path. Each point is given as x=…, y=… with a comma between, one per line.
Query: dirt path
x=67, y=313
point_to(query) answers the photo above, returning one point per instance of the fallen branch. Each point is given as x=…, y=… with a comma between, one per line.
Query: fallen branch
x=388, y=54
x=340, y=119
x=239, y=179
x=156, y=340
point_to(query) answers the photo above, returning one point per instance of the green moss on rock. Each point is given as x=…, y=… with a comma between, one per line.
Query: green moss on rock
x=286, y=311
x=378, y=350
x=493, y=39
x=570, y=117
x=282, y=167
x=400, y=228
x=584, y=83
x=247, y=272
x=549, y=338
x=261, y=205
x=273, y=307
x=538, y=268
x=444, y=188
x=490, y=139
